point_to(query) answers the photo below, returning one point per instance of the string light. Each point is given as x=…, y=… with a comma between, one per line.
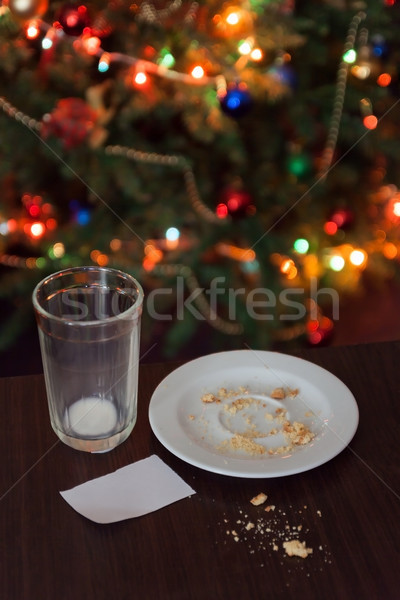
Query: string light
x=37, y=229
x=350, y=56
x=221, y=211
x=32, y=30
x=104, y=62
x=301, y=246
x=384, y=79
x=172, y=238
x=337, y=262
x=140, y=78
x=246, y=46
x=91, y=44
x=197, y=72
x=330, y=227
x=256, y=54
x=358, y=258
x=288, y=268
x=370, y=122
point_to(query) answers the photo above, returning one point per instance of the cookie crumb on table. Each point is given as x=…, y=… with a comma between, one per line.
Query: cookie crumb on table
x=297, y=548
x=259, y=499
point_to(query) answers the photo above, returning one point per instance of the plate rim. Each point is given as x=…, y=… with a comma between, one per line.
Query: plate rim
x=226, y=469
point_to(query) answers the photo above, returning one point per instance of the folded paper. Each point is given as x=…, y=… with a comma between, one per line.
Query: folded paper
x=132, y=491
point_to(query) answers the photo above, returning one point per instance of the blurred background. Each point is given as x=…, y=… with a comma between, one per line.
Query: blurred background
x=251, y=142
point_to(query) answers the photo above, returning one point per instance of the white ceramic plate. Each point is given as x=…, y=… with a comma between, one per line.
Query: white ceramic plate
x=202, y=434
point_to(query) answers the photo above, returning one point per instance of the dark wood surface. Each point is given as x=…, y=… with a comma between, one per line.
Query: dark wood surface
x=348, y=509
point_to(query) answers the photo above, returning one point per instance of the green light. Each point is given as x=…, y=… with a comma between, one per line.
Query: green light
x=301, y=246
x=350, y=56
x=167, y=60
x=40, y=262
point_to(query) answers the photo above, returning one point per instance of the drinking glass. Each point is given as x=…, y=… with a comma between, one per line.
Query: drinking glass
x=89, y=331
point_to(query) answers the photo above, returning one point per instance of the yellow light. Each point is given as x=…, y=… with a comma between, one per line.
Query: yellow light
x=32, y=30
x=245, y=47
x=256, y=54
x=336, y=262
x=396, y=208
x=58, y=249
x=140, y=78
x=37, y=229
x=233, y=18
x=198, y=72
x=358, y=258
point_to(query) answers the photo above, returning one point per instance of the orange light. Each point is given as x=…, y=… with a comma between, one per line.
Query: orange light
x=37, y=229
x=102, y=260
x=389, y=250
x=288, y=268
x=153, y=253
x=384, y=80
x=115, y=245
x=370, y=122
x=91, y=44
x=94, y=255
x=148, y=264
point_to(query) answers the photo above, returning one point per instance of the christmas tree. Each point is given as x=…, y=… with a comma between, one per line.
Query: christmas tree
x=236, y=157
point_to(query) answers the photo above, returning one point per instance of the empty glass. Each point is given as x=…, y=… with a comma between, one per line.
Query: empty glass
x=89, y=330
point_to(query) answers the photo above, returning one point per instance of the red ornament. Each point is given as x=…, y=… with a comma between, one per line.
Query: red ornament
x=73, y=19
x=235, y=202
x=71, y=121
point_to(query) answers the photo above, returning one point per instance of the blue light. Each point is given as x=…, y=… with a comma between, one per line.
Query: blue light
x=83, y=216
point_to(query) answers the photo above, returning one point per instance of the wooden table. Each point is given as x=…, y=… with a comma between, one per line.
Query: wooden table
x=348, y=509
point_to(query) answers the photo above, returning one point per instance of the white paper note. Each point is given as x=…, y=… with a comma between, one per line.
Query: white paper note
x=137, y=489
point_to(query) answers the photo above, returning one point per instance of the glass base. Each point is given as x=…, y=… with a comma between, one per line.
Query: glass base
x=96, y=445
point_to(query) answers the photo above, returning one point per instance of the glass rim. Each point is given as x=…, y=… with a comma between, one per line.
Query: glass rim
x=71, y=270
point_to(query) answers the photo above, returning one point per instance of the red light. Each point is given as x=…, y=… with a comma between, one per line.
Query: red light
x=370, y=122
x=51, y=224
x=34, y=210
x=384, y=80
x=222, y=211
x=12, y=225
x=330, y=228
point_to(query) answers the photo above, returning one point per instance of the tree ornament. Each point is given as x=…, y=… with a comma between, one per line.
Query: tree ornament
x=238, y=202
x=24, y=10
x=73, y=19
x=237, y=101
x=72, y=121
